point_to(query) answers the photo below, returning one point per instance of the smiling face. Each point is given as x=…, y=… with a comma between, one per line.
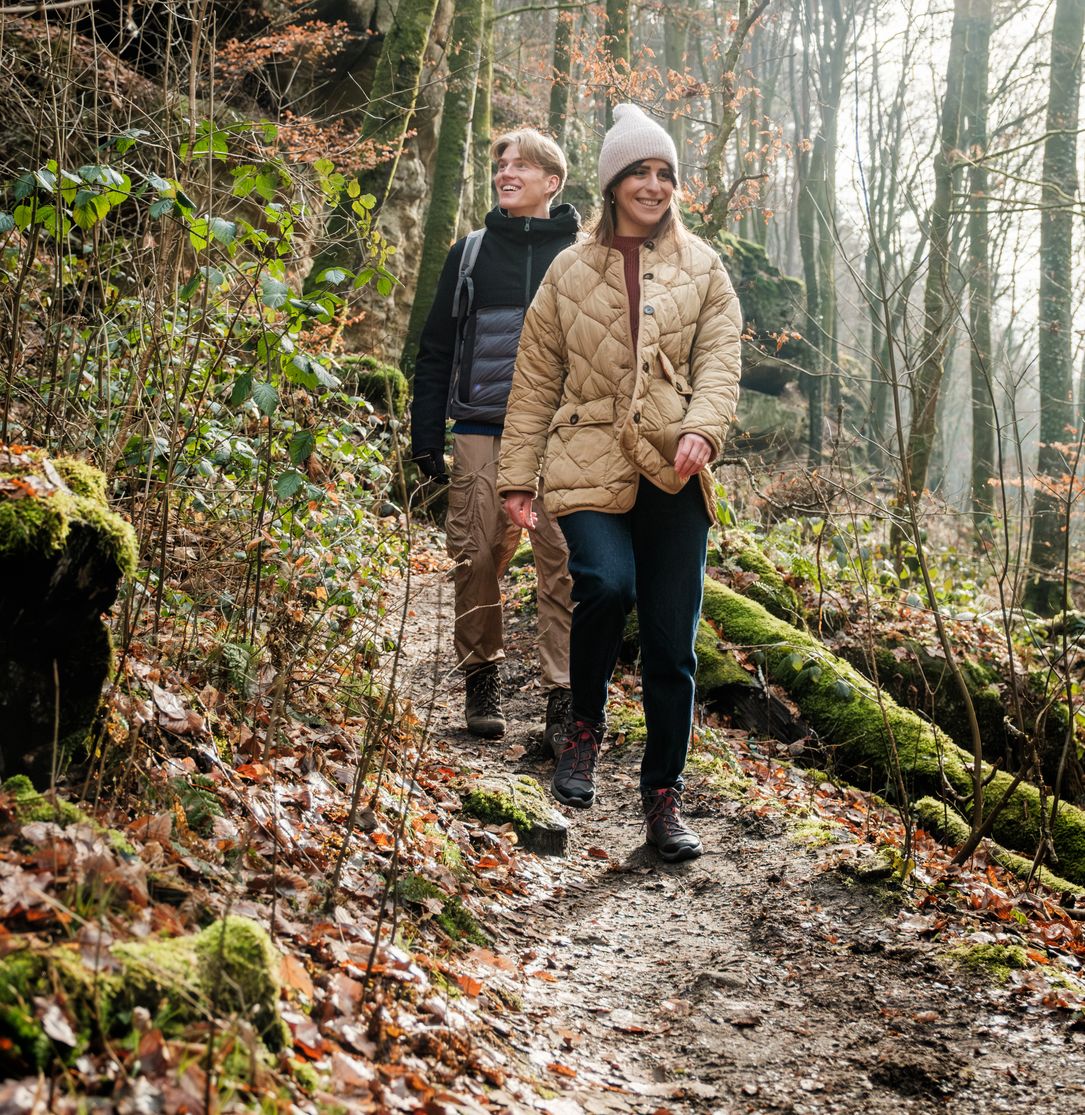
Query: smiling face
x=523, y=189
x=642, y=197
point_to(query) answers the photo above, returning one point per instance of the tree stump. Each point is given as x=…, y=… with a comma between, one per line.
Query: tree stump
x=62, y=556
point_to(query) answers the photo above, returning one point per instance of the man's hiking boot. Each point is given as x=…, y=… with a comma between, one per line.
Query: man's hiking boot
x=574, y=780
x=673, y=838
x=557, y=712
x=483, y=705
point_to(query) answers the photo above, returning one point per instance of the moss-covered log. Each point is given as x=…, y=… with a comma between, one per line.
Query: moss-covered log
x=62, y=556
x=863, y=728
x=949, y=826
x=230, y=969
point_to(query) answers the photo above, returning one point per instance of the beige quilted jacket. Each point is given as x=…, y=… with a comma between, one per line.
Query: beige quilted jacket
x=590, y=414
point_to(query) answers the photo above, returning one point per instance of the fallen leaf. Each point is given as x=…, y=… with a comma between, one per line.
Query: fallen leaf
x=560, y=1069
x=469, y=985
x=599, y=853
x=292, y=973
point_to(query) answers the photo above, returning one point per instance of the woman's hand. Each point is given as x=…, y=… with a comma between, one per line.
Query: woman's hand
x=518, y=508
x=694, y=453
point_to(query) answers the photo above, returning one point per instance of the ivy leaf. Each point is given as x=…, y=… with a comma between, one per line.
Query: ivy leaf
x=273, y=293
x=199, y=234
x=7, y=222
x=301, y=446
x=288, y=484
x=266, y=398
x=333, y=276
x=161, y=207
x=843, y=690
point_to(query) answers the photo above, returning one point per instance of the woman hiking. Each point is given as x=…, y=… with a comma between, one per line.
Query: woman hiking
x=626, y=380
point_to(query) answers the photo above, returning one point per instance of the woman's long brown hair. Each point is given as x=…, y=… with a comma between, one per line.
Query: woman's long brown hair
x=605, y=228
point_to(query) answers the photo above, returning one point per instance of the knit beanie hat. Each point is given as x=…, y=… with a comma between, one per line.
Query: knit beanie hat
x=633, y=137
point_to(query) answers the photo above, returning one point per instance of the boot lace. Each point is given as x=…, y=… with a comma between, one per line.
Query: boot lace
x=584, y=743
x=486, y=690
x=664, y=813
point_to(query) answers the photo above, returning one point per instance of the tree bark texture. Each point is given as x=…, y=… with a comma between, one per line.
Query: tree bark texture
x=1045, y=592
x=453, y=151
x=482, y=121
x=979, y=267
x=561, y=75
x=937, y=313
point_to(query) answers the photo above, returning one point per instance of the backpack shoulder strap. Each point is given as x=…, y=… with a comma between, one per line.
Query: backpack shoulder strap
x=464, y=283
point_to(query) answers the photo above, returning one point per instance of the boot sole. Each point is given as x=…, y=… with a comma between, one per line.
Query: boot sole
x=573, y=803
x=681, y=855
x=487, y=731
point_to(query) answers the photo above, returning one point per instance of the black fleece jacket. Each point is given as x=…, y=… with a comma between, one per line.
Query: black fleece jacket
x=512, y=260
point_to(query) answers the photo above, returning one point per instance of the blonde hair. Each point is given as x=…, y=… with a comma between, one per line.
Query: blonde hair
x=535, y=148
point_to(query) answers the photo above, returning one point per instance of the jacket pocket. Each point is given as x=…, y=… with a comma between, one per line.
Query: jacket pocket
x=580, y=437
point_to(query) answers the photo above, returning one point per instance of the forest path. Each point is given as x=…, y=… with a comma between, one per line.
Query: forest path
x=756, y=979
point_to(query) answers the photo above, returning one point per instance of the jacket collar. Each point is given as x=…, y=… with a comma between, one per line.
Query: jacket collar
x=564, y=221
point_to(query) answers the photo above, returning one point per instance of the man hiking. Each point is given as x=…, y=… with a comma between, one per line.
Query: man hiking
x=463, y=372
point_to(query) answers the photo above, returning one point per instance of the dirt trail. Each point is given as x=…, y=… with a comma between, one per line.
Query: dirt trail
x=755, y=979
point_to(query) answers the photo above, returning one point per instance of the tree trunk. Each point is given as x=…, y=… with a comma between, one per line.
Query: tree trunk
x=1045, y=592
x=716, y=214
x=617, y=45
x=675, y=44
x=390, y=113
x=562, y=72
x=937, y=314
x=482, y=121
x=979, y=269
x=453, y=151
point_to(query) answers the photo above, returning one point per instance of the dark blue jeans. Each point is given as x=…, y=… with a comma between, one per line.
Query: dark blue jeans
x=652, y=556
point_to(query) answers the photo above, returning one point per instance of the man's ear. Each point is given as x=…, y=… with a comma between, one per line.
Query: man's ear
x=554, y=183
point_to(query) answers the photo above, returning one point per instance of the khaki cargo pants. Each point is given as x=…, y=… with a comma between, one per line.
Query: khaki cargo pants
x=482, y=540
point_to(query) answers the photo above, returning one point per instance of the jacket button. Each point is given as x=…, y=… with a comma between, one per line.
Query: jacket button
x=649, y=275
x=644, y=366
x=636, y=416
x=574, y=420
x=649, y=310
x=649, y=243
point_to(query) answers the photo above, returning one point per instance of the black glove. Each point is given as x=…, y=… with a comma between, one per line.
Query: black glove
x=431, y=463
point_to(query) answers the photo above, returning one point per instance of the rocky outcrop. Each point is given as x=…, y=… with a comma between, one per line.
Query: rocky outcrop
x=62, y=556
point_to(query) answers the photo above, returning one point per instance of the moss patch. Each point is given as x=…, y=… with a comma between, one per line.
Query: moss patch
x=454, y=917
x=381, y=384
x=998, y=960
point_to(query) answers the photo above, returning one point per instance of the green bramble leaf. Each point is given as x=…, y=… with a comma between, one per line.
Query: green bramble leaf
x=242, y=389
x=288, y=484
x=273, y=293
x=265, y=397
x=301, y=446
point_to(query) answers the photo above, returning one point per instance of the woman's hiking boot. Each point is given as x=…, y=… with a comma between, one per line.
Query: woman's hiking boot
x=673, y=838
x=485, y=717
x=574, y=780
x=557, y=713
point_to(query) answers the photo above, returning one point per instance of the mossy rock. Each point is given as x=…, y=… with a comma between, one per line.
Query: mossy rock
x=863, y=729
x=771, y=302
x=520, y=801
x=63, y=553
x=231, y=968
x=383, y=385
